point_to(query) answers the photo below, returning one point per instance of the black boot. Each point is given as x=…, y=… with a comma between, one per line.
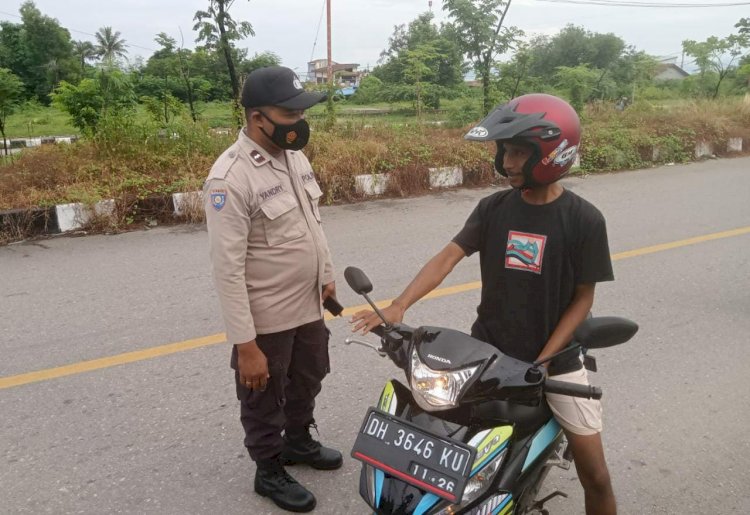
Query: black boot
x=271, y=480
x=300, y=448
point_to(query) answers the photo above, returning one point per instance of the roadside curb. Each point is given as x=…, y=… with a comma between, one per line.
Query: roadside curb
x=16, y=145
x=70, y=217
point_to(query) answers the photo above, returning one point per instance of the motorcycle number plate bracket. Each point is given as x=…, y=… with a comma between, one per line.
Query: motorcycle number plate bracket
x=408, y=452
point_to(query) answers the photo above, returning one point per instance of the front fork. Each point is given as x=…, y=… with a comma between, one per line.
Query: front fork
x=529, y=504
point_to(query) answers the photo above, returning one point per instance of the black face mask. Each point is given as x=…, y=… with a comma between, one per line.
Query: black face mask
x=289, y=137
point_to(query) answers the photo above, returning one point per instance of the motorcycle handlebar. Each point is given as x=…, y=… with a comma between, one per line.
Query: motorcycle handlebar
x=575, y=390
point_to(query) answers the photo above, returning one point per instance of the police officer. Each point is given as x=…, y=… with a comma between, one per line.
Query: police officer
x=272, y=269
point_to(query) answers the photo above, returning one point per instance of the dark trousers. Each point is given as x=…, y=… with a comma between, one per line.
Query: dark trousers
x=297, y=362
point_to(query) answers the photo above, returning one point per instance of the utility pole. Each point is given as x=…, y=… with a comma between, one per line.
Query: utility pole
x=330, y=60
x=330, y=110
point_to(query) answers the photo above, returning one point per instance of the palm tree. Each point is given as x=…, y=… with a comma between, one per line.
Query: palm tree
x=84, y=51
x=110, y=44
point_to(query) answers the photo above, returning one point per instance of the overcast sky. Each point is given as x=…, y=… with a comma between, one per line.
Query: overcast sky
x=361, y=28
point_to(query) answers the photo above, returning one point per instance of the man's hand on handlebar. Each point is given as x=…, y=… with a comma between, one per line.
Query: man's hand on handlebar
x=366, y=319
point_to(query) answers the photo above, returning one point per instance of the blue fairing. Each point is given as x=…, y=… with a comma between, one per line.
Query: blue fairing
x=542, y=440
x=427, y=502
x=379, y=478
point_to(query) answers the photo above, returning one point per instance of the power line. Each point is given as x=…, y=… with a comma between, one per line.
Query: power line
x=84, y=33
x=631, y=3
x=317, y=32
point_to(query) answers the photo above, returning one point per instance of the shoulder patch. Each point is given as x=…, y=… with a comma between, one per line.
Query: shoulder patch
x=257, y=157
x=218, y=198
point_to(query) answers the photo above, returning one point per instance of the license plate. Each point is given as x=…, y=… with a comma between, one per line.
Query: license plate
x=399, y=448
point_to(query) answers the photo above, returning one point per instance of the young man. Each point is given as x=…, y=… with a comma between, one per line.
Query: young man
x=542, y=249
x=272, y=269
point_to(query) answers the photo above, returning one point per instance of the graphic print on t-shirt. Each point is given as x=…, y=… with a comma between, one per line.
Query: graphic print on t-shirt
x=525, y=251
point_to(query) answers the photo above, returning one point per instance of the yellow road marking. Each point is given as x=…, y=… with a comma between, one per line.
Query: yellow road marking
x=681, y=243
x=171, y=348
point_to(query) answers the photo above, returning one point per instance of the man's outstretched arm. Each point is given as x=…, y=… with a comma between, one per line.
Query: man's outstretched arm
x=428, y=278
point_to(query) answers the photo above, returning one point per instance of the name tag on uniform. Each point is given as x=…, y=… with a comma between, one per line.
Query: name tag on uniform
x=271, y=192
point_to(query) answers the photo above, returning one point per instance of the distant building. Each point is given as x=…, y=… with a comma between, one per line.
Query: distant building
x=345, y=74
x=669, y=71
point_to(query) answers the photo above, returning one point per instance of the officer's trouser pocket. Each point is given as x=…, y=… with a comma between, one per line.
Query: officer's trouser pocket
x=274, y=388
x=311, y=361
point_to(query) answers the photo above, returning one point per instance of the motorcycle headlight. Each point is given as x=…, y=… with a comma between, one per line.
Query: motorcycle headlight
x=437, y=389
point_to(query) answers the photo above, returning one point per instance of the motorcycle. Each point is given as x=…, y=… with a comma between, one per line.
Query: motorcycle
x=470, y=432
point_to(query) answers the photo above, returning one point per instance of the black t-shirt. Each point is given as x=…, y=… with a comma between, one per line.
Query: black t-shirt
x=532, y=257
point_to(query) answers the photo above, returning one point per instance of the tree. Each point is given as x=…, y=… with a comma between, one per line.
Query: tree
x=573, y=46
x=164, y=68
x=370, y=90
x=84, y=51
x=579, y=82
x=219, y=30
x=11, y=90
x=46, y=50
x=743, y=27
x=716, y=55
x=479, y=27
x=419, y=71
x=92, y=100
x=446, y=62
x=633, y=70
x=514, y=75
x=163, y=110
x=259, y=60
x=12, y=51
x=110, y=45
x=184, y=60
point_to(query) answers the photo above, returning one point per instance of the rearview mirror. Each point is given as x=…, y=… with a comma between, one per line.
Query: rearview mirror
x=357, y=280
x=601, y=332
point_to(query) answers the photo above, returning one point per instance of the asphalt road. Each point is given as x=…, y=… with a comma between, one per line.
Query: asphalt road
x=162, y=435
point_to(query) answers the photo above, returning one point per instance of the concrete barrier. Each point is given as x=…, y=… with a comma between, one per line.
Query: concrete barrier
x=71, y=217
x=703, y=149
x=184, y=203
x=734, y=145
x=371, y=184
x=446, y=177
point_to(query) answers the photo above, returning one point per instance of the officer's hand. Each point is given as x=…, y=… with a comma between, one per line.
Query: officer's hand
x=365, y=320
x=252, y=366
x=329, y=290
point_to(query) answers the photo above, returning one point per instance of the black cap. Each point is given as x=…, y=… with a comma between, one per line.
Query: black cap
x=277, y=86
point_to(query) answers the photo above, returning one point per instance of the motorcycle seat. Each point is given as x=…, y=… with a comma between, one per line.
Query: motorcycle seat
x=527, y=419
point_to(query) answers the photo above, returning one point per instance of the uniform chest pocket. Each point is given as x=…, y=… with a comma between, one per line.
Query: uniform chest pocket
x=314, y=193
x=282, y=221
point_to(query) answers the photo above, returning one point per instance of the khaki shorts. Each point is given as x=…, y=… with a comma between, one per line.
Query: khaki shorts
x=576, y=414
